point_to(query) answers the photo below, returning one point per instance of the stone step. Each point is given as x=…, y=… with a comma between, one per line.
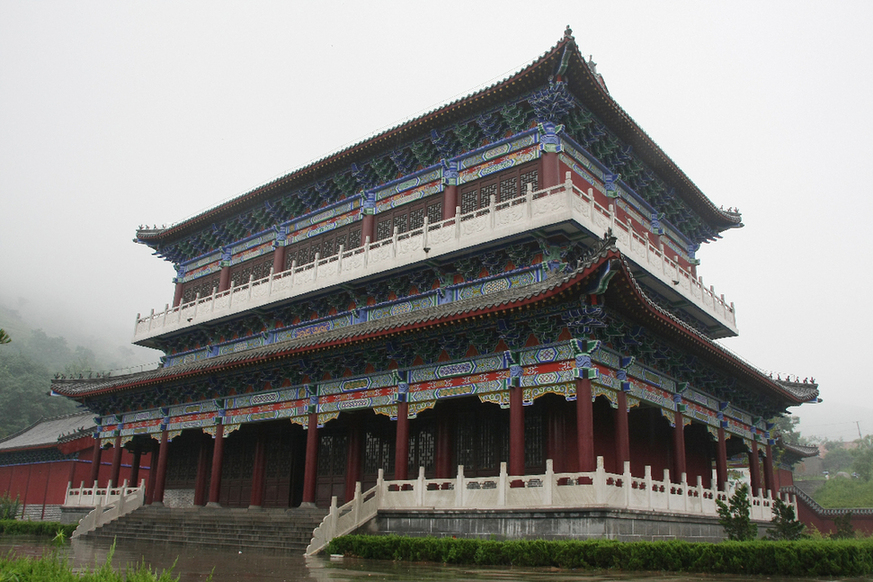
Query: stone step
x=275, y=529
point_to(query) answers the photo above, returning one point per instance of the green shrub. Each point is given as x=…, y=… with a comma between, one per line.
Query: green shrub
x=735, y=516
x=829, y=558
x=8, y=506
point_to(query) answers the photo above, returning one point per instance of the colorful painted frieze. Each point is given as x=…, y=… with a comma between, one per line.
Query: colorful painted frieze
x=486, y=169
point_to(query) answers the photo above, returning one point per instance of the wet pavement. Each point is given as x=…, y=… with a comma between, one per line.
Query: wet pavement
x=195, y=563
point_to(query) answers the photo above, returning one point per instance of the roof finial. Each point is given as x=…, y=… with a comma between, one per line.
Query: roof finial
x=568, y=33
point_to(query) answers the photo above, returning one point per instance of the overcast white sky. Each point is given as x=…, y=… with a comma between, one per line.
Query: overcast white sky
x=115, y=114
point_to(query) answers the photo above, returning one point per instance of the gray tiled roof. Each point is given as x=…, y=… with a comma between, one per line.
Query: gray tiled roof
x=49, y=431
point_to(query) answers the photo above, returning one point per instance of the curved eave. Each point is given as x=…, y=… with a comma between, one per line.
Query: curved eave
x=635, y=302
x=581, y=81
x=595, y=96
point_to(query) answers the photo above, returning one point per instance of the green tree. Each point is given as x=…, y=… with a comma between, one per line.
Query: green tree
x=735, y=517
x=4, y=337
x=785, y=523
x=836, y=460
x=844, y=527
x=786, y=426
x=863, y=458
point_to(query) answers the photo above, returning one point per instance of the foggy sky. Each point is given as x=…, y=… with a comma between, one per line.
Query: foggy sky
x=116, y=114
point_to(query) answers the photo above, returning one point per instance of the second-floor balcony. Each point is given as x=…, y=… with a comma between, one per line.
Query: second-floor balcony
x=559, y=207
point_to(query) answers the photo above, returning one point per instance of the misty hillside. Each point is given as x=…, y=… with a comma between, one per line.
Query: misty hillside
x=30, y=361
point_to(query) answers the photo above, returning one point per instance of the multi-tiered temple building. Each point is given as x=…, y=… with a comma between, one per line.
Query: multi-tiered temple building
x=511, y=278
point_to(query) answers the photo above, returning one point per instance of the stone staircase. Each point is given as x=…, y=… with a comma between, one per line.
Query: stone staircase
x=266, y=529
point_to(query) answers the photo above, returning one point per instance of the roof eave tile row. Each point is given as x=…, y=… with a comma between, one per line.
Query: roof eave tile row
x=535, y=74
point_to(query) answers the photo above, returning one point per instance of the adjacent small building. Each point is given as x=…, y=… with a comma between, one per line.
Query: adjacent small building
x=37, y=464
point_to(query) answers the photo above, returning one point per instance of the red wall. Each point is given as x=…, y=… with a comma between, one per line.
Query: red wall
x=46, y=483
x=825, y=523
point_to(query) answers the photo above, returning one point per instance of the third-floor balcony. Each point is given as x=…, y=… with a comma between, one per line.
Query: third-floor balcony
x=559, y=208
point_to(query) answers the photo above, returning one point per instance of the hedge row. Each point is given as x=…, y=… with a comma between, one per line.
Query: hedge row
x=798, y=558
x=35, y=528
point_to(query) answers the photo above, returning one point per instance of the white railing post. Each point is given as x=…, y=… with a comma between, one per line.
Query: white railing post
x=548, y=484
x=502, y=485
x=367, y=250
x=358, y=499
x=419, y=485
x=339, y=258
x=492, y=210
x=315, y=266
x=151, y=319
x=293, y=268
x=457, y=223
x=600, y=482
x=270, y=287
x=626, y=482
x=424, y=233
x=648, y=480
x=459, y=487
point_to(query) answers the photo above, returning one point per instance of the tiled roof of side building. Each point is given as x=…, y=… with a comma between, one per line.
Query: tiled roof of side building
x=579, y=76
x=50, y=431
x=630, y=294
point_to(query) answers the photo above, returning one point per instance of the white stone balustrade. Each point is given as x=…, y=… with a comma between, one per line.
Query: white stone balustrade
x=109, y=503
x=533, y=211
x=570, y=491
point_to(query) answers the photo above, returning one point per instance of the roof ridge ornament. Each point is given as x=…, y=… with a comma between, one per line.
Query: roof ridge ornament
x=568, y=34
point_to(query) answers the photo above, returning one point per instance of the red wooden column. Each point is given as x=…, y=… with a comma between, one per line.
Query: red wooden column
x=585, y=426
x=153, y=477
x=622, y=438
x=224, y=277
x=721, y=460
x=115, y=473
x=550, y=145
x=257, y=498
x=217, y=460
x=353, y=459
x=134, y=467
x=551, y=173
x=769, y=480
x=97, y=452
x=678, y=447
x=202, y=472
x=516, y=430
x=401, y=445
x=443, y=461
x=310, y=472
x=177, y=294
x=161, y=479
x=368, y=222
x=279, y=259
x=450, y=193
x=754, y=467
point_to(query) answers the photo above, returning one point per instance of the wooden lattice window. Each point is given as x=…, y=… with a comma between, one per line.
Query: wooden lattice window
x=257, y=268
x=500, y=187
x=332, y=453
x=409, y=216
x=325, y=245
x=202, y=286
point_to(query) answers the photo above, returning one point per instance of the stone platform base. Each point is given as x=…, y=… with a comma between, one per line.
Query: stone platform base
x=615, y=524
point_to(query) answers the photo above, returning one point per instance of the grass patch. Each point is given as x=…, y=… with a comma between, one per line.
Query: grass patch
x=52, y=567
x=13, y=527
